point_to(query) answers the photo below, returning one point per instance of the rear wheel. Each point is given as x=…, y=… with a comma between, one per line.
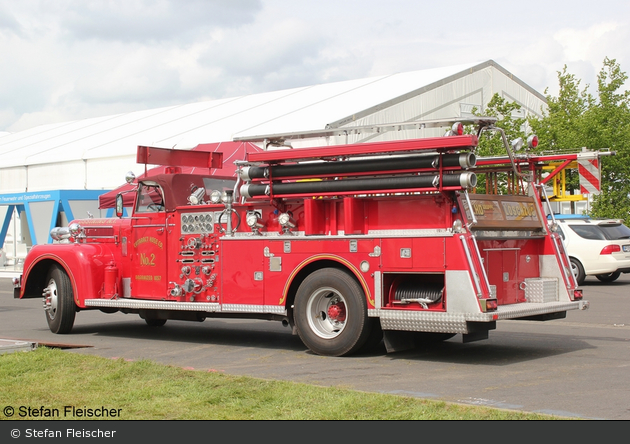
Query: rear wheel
x=331, y=313
x=608, y=277
x=578, y=271
x=59, y=301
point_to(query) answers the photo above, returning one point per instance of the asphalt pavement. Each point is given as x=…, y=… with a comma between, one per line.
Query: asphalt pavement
x=576, y=367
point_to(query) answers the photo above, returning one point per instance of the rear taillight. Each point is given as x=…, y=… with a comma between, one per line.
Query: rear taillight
x=577, y=295
x=610, y=249
x=491, y=304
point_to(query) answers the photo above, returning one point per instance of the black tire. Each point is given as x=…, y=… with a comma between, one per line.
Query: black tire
x=155, y=322
x=59, y=303
x=578, y=271
x=608, y=277
x=331, y=313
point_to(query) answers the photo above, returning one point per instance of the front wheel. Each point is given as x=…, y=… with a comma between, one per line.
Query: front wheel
x=59, y=301
x=331, y=313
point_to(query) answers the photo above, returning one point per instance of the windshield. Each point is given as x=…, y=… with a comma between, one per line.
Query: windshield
x=211, y=184
x=150, y=199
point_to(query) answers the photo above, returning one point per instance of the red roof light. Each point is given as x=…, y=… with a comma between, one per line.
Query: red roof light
x=532, y=141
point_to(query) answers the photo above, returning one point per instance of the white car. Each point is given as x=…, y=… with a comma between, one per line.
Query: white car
x=596, y=247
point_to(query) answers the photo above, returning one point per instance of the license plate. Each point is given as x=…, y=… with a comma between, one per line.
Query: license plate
x=626, y=248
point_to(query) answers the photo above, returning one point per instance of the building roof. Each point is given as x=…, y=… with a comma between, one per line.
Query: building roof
x=297, y=109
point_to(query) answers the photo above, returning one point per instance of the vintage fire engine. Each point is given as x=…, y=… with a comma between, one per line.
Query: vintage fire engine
x=348, y=245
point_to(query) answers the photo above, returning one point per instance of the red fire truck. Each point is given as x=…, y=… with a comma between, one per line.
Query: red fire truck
x=348, y=245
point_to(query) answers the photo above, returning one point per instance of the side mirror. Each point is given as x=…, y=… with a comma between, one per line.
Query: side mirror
x=119, y=205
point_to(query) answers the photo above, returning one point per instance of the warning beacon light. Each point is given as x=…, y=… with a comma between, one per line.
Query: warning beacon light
x=456, y=130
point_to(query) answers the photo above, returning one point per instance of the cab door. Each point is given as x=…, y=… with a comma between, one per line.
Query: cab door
x=148, y=245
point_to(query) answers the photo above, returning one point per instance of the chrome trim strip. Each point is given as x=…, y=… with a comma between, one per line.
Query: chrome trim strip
x=372, y=234
x=483, y=269
x=471, y=265
x=378, y=291
x=145, y=304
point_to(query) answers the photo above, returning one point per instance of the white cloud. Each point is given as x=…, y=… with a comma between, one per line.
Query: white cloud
x=71, y=59
x=583, y=44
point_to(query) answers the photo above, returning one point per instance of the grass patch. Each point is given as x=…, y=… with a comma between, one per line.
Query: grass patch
x=144, y=390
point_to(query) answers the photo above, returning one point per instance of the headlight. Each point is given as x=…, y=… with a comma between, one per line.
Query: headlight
x=60, y=233
x=76, y=230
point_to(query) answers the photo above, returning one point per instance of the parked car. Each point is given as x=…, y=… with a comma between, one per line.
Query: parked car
x=596, y=247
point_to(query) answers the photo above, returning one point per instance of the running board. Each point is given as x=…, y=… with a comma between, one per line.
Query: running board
x=144, y=304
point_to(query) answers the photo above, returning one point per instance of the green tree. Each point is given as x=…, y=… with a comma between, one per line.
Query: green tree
x=491, y=142
x=608, y=126
x=575, y=119
x=562, y=127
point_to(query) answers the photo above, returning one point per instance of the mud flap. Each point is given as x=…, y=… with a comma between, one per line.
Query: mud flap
x=478, y=331
x=396, y=341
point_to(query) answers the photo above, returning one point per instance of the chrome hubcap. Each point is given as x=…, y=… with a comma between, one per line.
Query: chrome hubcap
x=326, y=313
x=50, y=299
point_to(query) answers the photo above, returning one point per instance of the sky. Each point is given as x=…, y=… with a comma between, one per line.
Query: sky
x=63, y=60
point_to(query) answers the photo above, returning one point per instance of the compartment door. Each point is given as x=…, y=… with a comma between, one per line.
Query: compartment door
x=502, y=269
